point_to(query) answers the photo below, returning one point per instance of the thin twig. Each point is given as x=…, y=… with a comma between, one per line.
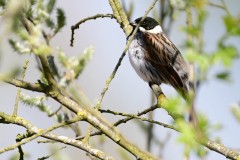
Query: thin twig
x=76, y=26
x=19, y=89
x=124, y=120
x=46, y=141
x=55, y=112
x=138, y=117
x=20, y=150
x=47, y=71
x=216, y=5
x=37, y=87
x=150, y=126
x=52, y=154
x=223, y=6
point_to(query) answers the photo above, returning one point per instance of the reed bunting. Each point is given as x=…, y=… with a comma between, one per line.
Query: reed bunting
x=155, y=58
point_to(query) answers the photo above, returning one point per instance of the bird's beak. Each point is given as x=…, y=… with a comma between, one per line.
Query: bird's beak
x=133, y=24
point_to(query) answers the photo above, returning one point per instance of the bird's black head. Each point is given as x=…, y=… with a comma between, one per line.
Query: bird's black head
x=148, y=23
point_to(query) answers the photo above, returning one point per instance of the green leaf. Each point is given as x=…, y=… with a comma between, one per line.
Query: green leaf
x=202, y=152
x=75, y=65
x=174, y=106
x=18, y=47
x=60, y=118
x=29, y=13
x=225, y=54
x=123, y=154
x=61, y=20
x=32, y=2
x=192, y=30
x=42, y=50
x=236, y=112
x=202, y=15
x=63, y=59
x=178, y=4
x=225, y=75
x=53, y=66
x=187, y=137
x=2, y=3
x=232, y=25
x=83, y=60
x=130, y=10
x=50, y=5
x=36, y=102
x=202, y=60
x=190, y=134
x=203, y=124
x=50, y=23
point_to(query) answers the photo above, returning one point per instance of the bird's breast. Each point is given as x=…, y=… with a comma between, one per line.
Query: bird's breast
x=136, y=53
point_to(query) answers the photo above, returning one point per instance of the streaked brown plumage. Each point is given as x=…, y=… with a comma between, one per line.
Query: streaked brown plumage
x=155, y=58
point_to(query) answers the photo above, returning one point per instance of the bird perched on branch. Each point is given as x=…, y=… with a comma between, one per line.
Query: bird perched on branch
x=155, y=58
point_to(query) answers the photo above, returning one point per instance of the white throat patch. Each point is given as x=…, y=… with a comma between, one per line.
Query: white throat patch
x=155, y=30
x=142, y=29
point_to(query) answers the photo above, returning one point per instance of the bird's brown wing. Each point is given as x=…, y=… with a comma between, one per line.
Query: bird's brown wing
x=163, y=55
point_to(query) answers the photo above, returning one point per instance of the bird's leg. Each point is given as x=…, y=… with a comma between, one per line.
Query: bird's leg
x=156, y=89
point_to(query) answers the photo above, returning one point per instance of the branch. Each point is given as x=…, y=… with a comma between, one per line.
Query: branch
x=133, y=116
x=52, y=154
x=30, y=27
x=19, y=89
x=216, y=5
x=20, y=150
x=95, y=119
x=76, y=26
x=124, y=120
x=214, y=146
x=22, y=84
x=33, y=131
x=121, y=16
x=47, y=71
x=44, y=133
x=220, y=148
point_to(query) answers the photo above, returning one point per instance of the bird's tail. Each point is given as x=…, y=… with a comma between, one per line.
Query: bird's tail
x=187, y=94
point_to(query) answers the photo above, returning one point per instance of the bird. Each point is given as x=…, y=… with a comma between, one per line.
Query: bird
x=155, y=58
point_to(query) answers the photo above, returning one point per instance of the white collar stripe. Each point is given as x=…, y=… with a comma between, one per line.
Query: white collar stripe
x=155, y=30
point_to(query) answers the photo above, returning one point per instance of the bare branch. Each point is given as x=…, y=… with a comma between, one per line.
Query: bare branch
x=22, y=84
x=124, y=120
x=220, y=148
x=19, y=89
x=45, y=133
x=34, y=132
x=52, y=154
x=140, y=118
x=76, y=26
x=121, y=16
